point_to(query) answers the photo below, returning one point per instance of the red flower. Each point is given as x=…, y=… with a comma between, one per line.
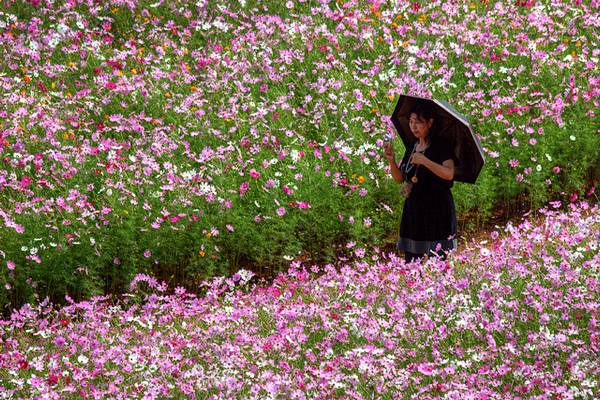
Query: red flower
x=23, y=364
x=416, y=6
x=52, y=379
x=42, y=87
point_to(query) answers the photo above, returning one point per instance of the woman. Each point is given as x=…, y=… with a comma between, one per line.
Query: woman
x=428, y=224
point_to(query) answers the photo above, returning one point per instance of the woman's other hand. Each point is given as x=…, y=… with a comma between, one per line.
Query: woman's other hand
x=389, y=152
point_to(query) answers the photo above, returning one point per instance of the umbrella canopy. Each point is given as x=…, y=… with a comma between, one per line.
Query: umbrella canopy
x=453, y=126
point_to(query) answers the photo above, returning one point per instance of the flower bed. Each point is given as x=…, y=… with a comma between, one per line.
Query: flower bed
x=513, y=317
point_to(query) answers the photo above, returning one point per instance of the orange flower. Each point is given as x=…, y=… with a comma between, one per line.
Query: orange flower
x=201, y=253
x=360, y=179
x=27, y=78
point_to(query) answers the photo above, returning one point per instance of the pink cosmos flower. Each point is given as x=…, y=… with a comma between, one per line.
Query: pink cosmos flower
x=281, y=211
x=244, y=188
x=426, y=369
x=25, y=181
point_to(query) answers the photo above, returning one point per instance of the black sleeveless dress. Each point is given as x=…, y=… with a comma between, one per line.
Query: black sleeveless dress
x=429, y=216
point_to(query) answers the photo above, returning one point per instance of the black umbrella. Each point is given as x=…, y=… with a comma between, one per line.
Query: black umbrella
x=453, y=126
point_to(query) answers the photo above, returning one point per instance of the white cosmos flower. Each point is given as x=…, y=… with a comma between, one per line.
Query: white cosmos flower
x=295, y=155
x=133, y=358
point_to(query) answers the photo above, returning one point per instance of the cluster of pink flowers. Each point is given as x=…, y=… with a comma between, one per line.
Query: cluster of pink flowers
x=99, y=122
x=513, y=316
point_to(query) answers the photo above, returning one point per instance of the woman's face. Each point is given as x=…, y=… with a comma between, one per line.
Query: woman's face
x=418, y=126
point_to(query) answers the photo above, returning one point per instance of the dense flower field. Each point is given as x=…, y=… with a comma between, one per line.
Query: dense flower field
x=513, y=317
x=194, y=139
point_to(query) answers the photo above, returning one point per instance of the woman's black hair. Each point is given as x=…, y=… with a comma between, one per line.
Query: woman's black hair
x=425, y=113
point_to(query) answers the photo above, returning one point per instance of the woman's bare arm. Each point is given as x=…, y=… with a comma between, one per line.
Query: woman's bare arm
x=389, y=154
x=444, y=171
x=396, y=173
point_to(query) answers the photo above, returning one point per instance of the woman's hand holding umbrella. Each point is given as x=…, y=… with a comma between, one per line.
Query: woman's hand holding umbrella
x=444, y=171
x=418, y=159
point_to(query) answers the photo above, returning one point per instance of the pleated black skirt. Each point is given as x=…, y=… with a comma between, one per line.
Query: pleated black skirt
x=428, y=223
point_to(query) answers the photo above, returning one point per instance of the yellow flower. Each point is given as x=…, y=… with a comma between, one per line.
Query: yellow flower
x=209, y=234
x=404, y=44
x=201, y=253
x=65, y=136
x=114, y=10
x=134, y=71
x=120, y=73
x=360, y=179
x=578, y=43
x=53, y=85
x=391, y=97
x=574, y=54
x=72, y=134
